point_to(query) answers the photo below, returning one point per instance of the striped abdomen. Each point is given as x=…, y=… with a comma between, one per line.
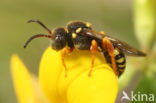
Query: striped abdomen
x=120, y=60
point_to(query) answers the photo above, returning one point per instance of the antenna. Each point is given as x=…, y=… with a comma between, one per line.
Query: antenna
x=39, y=22
x=36, y=36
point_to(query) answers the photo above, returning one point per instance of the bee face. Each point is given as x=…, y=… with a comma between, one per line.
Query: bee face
x=59, y=38
x=77, y=26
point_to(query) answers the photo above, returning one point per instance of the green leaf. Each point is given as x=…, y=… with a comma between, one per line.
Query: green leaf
x=144, y=22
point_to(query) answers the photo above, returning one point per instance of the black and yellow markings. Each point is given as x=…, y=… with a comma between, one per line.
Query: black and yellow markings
x=116, y=52
x=121, y=70
x=102, y=32
x=78, y=30
x=99, y=48
x=121, y=66
x=77, y=45
x=74, y=35
x=120, y=60
x=118, y=57
x=66, y=30
x=88, y=24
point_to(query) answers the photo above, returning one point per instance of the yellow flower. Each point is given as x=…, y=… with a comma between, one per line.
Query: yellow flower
x=52, y=87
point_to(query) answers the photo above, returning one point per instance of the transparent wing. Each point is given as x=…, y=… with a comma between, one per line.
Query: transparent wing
x=124, y=47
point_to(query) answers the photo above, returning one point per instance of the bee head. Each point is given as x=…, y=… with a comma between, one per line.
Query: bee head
x=77, y=26
x=59, y=38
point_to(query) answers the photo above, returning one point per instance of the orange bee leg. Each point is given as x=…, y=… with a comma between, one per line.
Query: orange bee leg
x=106, y=43
x=64, y=52
x=93, y=50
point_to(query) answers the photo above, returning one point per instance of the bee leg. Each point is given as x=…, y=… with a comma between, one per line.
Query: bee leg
x=106, y=43
x=93, y=50
x=65, y=51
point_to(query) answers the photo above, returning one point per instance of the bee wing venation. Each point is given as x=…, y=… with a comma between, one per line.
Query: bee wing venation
x=124, y=47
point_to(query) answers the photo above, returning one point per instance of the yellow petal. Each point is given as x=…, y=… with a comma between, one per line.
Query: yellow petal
x=55, y=85
x=39, y=95
x=101, y=87
x=22, y=81
x=48, y=74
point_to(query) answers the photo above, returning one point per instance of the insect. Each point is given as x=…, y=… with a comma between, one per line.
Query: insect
x=80, y=35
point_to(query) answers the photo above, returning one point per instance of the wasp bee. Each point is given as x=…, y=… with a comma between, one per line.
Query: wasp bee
x=81, y=36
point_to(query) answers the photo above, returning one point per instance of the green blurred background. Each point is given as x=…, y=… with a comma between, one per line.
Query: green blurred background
x=114, y=17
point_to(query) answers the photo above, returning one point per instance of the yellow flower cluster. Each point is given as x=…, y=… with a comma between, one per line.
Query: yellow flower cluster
x=52, y=87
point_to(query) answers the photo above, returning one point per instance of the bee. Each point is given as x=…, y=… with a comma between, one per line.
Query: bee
x=80, y=35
